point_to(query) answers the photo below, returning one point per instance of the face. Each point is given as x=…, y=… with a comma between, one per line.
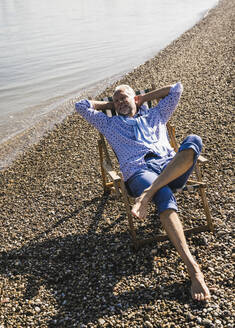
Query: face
x=124, y=103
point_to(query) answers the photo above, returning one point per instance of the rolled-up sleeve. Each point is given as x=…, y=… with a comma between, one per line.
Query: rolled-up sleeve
x=97, y=118
x=167, y=105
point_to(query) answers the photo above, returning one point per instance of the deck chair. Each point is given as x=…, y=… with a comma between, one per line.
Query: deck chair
x=113, y=182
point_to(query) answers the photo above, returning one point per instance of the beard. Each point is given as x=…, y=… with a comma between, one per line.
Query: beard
x=125, y=110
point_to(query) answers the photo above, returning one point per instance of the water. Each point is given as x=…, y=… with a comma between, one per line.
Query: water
x=51, y=51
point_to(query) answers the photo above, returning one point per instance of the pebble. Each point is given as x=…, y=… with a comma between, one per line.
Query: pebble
x=101, y=321
x=190, y=316
x=199, y=319
x=218, y=322
x=207, y=322
x=154, y=251
x=148, y=324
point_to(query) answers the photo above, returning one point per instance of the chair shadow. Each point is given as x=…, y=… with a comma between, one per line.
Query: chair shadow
x=83, y=271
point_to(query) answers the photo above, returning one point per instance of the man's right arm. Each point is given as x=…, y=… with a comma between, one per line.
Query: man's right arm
x=91, y=111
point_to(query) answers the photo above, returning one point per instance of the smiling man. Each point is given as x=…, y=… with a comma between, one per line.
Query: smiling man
x=150, y=167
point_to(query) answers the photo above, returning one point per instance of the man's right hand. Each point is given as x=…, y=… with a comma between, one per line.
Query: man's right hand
x=101, y=105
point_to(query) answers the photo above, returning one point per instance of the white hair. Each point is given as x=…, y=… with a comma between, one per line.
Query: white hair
x=125, y=87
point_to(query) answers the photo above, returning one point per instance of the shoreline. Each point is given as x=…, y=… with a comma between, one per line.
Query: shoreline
x=66, y=257
x=18, y=143
x=23, y=116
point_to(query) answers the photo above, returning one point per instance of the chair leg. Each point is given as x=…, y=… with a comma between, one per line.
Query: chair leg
x=204, y=200
x=104, y=180
x=129, y=214
x=206, y=209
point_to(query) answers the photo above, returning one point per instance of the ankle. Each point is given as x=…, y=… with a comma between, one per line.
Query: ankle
x=195, y=270
x=145, y=197
x=148, y=194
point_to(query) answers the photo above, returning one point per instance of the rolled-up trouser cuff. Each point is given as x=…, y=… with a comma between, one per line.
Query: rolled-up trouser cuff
x=194, y=142
x=162, y=206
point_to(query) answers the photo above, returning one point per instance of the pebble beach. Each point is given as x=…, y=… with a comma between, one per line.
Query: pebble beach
x=66, y=258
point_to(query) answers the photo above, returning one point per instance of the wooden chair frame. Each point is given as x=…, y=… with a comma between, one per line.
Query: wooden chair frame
x=113, y=182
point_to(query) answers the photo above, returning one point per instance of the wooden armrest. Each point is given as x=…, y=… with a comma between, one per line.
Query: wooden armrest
x=202, y=159
x=195, y=182
x=113, y=174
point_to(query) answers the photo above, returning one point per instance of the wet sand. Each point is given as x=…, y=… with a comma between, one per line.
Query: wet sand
x=66, y=259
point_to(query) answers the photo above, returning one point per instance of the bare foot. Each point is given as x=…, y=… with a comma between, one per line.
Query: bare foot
x=140, y=207
x=199, y=290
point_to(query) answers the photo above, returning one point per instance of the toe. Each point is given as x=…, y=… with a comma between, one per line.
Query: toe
x=202, y=297
x=197, y=297
x=207, y=296
x=133, y=212
x=194, y=295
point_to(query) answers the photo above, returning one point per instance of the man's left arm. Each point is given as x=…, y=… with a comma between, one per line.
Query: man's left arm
x=153, y=95
x=168, y=104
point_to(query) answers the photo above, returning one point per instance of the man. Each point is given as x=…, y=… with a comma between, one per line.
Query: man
x=150, y=167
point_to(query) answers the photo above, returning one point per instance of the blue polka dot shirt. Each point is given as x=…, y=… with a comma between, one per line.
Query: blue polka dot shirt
x=121, y=136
